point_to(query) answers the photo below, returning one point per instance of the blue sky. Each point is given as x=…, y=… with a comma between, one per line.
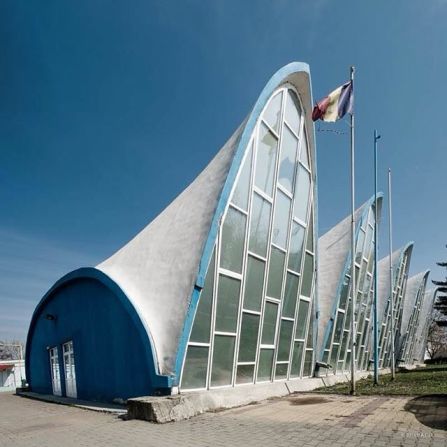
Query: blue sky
x=109, y=109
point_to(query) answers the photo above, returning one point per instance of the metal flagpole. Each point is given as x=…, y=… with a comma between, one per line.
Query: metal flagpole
x=353, y=282
x=390, y=221
x=376, y=251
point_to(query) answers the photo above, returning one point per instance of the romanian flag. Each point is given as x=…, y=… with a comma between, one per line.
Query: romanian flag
x=335, y=105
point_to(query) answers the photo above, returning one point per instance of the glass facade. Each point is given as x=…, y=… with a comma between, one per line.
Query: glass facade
x=407, y=353
x=399, y=284
x=253, y=322
x=337, y=350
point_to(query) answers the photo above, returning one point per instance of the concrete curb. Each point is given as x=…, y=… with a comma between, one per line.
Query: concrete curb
x=188, y=404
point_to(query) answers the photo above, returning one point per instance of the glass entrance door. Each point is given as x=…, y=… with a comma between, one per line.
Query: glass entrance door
x=55, y=372
x=69, y=370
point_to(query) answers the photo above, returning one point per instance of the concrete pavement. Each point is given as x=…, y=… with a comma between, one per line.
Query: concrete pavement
x=300, y=420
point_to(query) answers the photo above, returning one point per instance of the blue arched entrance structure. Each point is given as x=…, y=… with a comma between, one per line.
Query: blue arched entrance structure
x=114, y=358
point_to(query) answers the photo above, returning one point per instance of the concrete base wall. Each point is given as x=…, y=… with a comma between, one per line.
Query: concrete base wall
x=189, y=404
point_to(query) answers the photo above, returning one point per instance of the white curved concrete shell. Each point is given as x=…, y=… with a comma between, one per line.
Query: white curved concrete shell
x=162, y=269
x=158, y=268
x=424, y=323
x=218, y=290
x=334, y=293
x=400, y=262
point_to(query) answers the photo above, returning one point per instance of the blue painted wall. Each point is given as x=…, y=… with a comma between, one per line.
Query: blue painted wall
x=113, y=359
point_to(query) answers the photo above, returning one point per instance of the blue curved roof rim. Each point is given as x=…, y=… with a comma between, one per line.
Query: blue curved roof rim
x=279, y=78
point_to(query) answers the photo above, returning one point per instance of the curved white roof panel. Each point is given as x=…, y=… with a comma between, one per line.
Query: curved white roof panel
x=413, y=285
x=160, y=267
x=335, y=261
x=383, y=272
x=424, y=322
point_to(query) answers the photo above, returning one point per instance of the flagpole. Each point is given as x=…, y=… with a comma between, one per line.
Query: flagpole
x=353, y=282
x=390, y=221
x=376, y=250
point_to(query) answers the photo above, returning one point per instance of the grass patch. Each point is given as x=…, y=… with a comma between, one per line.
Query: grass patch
x=429, y=380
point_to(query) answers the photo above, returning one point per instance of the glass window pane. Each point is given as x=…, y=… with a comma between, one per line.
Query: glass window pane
x=304, y=152
x=362, y=276
x=265, y=364
x=367, y=285
x=344, y=345
x=285, y=340
x=368, y=243
x=357, y=275
x=227, y=304
x=360, y=358
x=348, y=315
x=233, y=236
x=254, y=284
x=289, y=146
x=334, y=355
x=249, y=338
x=245, y=373
x=302, y=193
x=281, y=221
x=276, y=270
x=269, y=327
x=344, y=293
x=281, y=371
x=371, y=259
x=348, y=360
x=310, y=234
x=272, y=113
x=301, y=323
x=365, y=333
x=196, y=365
x=292, y=111
x=296, y=247
x=202, y=321
x=240, y=194
x=290, y=296
x=222, y=360
x=259, y=226
x=308, y=364
x=266, y=159
x=307, y=278
x=359, y=248
x=310, y=332
x=296, y=359
x=338, y=327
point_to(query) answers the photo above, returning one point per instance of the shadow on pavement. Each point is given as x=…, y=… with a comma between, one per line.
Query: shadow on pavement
x=308, y=400
x=430, y=410
x=428, y=369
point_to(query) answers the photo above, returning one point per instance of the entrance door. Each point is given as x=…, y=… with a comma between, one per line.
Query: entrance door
x=55, y=372
x=69, y=369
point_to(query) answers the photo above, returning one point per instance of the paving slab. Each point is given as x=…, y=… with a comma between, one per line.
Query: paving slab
x=298, y=420
x=84, y=404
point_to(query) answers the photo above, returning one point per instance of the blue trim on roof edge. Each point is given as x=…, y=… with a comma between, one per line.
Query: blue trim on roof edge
x=275, y=81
